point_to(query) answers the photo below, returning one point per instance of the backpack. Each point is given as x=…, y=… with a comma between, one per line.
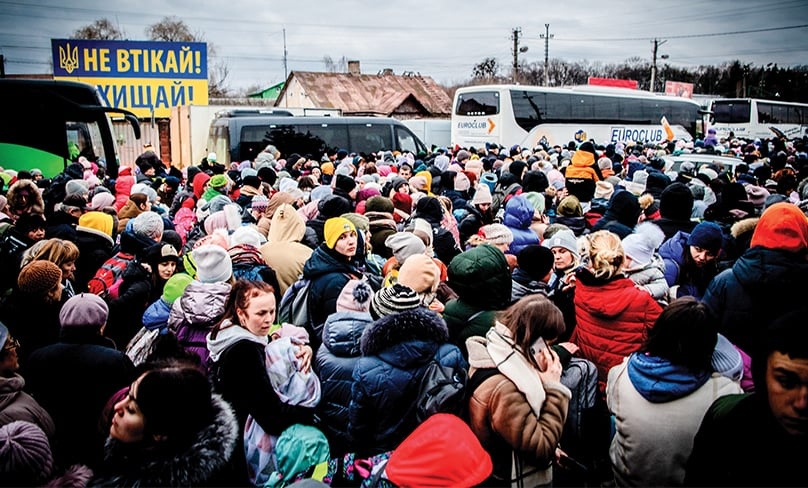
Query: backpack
x=107, y=280
x=294, y=308
x=442, y=390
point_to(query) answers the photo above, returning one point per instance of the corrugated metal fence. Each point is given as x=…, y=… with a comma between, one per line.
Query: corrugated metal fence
x=130, y=148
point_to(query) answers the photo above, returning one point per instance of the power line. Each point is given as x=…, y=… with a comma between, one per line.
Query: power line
x=687, y=36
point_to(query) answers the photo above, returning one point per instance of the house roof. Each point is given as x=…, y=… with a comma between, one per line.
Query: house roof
x=371, y=94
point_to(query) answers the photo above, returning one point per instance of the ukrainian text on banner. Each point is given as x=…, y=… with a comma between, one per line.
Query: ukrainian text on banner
x=146, y=77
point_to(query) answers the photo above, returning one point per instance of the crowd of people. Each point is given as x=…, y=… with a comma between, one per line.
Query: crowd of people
x=613, y=321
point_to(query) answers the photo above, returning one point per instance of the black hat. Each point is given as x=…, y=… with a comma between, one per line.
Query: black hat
x=252, y=181
x=75, y=200
x=345, y=183
x=535, y=260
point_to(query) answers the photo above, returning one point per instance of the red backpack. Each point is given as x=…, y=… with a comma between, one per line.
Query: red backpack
x=107, y=280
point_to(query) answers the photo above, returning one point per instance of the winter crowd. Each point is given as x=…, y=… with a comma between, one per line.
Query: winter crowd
x=573, y=315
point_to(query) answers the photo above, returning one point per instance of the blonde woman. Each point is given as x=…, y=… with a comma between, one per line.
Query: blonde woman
x=60, y=252
x=612, y=314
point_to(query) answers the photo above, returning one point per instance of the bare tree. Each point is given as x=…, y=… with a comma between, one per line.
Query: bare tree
x=172, y=29
x=338, y=66
x=101, y=29
x=487, y=69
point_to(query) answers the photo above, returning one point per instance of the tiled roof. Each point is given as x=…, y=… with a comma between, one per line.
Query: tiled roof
x=373, y=94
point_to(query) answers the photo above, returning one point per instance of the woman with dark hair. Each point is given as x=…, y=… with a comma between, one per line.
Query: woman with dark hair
x=691, y=260
x=154, y=441
x=660, y=394
x=236, y=346
x=518, y=404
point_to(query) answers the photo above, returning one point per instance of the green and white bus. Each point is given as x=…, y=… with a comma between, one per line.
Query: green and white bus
x=49, y=124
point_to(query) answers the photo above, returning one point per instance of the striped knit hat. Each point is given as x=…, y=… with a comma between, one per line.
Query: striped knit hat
x=393, y=299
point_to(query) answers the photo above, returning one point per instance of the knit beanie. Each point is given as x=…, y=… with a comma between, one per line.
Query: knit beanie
x=246, y=235
x=149, y=225
x=496, y=234
x=475, y=166
x=403, y=245
x=565, y=239
x=461, y=182
x=393, y=299
x=726, y=359
x=218, y=238
x=213, y=264
x=97, y=221
x=344, y=183
x=333, y=206
x=77, y=186
x=535, y=260
x=537, y=201
x=676, y=202
x=334, y=228
x=25, y=454
x=707, y=235
x=643, y=243
x=175, y=287
x=218, y=182
x=379, y=204
x=259, y=202
x=145, y=189
x=570, y=207
x=217, y=203
x=604, y=190
x=355, y=297
x=38, y=277
x=482, y=194
x=101, y=200
x=782, y=226
x=420, y=273
x=419, y=183
x=462, y=155
x=84, y=310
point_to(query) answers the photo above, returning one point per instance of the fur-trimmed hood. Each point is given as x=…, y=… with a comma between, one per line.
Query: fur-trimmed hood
x=36, y=204
x=745, y=226
x=419, y=324
x=193, y=465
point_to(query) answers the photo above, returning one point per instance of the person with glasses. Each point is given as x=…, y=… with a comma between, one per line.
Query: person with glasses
x=15, y=404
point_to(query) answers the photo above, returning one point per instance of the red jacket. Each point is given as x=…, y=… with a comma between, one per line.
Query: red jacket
x=612, y=318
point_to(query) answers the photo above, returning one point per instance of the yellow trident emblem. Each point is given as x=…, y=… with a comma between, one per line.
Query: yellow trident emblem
x=68, y=60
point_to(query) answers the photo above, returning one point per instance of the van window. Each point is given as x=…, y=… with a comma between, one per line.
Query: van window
x=406, y=140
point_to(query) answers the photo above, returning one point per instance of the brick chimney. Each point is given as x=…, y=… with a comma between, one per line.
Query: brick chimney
x=353, y=68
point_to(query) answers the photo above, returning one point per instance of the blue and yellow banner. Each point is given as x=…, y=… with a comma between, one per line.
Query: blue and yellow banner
x=146, y=77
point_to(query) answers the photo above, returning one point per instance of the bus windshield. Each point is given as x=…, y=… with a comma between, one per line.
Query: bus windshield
x=62, y=122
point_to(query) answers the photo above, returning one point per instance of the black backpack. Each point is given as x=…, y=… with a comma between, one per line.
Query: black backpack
x=442, y=390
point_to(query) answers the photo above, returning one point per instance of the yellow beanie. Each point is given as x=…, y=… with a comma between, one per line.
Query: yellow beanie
x=98, y=221
x=334, y=228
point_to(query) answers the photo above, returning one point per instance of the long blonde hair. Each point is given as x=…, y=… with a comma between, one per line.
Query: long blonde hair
x=57, y=251
x=604, y=253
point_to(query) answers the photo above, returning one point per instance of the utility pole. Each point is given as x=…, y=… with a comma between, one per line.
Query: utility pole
x=517, y=31
x=656, y=43
x=546, y=36
x=285, y=53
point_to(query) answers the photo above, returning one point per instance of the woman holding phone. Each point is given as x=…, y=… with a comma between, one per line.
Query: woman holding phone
x=518, y=405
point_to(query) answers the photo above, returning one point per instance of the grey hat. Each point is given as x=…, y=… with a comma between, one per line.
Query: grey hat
x=404, y=245
x=563, y=238
x=148, y=224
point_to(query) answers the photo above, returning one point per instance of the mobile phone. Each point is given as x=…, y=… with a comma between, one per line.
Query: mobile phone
x=537, y=347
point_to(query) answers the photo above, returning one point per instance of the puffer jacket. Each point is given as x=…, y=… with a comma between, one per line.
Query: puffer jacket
x=518, y=217
x=194, y=464
x=482, y=279
x=612, y=319
x=334, y=365
x=123, y=187
x=193, y=315
x=329, y=272
x=396, y=350
x=651, y=277
x=744, y=296
x=672, y=253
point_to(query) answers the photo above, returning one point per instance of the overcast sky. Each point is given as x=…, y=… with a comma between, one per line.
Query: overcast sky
x=442, y=39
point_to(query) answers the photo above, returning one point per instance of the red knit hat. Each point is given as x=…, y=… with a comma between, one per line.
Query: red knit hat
x=782, y=226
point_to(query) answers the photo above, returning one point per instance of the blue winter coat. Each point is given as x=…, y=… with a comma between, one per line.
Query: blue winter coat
x=396, y=350
x=672, y=252
x=328, y=272
x=761, y=286
x=518, y=217
x=156, y=316
x=334, y=365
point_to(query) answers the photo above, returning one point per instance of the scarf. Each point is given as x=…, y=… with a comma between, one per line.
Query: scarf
x=510, y=360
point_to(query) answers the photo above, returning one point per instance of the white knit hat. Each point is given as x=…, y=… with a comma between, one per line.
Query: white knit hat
x=643, y=243
x=213, y=264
